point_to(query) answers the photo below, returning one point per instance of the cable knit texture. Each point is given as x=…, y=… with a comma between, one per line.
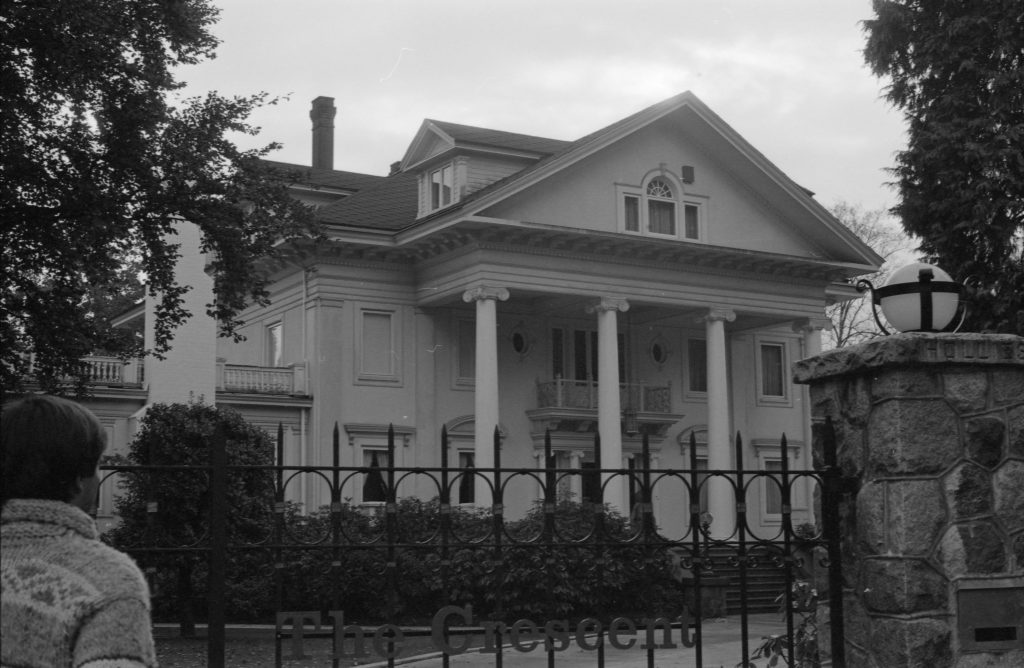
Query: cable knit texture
x=68, y=598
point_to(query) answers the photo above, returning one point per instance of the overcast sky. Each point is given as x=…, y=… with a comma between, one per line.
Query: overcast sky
x=788, y=75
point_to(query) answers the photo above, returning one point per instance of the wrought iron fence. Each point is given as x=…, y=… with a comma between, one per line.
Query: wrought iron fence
x=473, y=563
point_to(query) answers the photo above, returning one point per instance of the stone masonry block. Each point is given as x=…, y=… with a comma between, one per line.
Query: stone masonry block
x=1008, y=488
x=1012, y=659
x=905, y=382
x=916, y=516
x=912, y=437
x=1015, y=427
x=972, y=548
x=871, y=518
x=1018, y=552
x=1007, y=385
x=920, y=643
x=967, y=391
x=823, y=402
x=855, y=400
x=968, y=491
x=903, y=586
x=983, y=437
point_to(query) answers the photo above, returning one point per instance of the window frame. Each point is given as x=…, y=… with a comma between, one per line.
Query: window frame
x=636, y=199
x=459, y=378
x=768, y=451
x=763, y=398
x=688, y=369
x=435, y=201
x=366, y=376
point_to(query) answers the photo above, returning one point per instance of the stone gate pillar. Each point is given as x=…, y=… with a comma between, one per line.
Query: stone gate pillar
x=930, y=430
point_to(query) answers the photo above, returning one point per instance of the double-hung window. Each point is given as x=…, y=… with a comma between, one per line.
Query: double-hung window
x=440, y=185
x=661, y=208
x=772, y=377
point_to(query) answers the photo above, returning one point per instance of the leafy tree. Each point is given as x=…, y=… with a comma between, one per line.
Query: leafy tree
x=99, y=159
x=181, y=435
x=957, y=72
x=852, y=321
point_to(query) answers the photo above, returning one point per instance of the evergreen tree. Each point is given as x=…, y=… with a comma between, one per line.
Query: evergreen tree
x=170, y=508
x=957, y=71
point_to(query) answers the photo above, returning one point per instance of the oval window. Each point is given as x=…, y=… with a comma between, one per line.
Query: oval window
x=658, y=353
x=519, y=342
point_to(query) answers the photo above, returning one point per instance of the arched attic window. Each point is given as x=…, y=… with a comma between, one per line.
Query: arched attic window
x=659, y=208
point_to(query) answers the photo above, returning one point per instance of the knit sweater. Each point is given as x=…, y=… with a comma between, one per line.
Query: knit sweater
x=68, y=599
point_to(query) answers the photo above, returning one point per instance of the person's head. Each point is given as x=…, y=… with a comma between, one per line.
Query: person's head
x=50, y=450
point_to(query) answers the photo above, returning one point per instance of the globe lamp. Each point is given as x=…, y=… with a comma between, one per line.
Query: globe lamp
x=916, y=298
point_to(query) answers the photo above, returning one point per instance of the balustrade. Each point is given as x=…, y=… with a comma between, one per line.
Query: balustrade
x=564, y=393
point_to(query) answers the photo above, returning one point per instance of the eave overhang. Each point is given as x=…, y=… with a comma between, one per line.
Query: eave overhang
x=415, y=245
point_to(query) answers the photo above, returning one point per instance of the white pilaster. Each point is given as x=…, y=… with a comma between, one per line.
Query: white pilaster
x=485, y=395
x=609, y=409
x=811, y=328
x=721, y=498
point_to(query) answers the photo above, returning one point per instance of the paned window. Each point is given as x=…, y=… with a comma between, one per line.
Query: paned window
x=441, y=187
x=466, y=354
x=691, y=221
x=773, y=488
x=591, y=487
x=378, y=346
x=702, y=465
x=697, y=365
x=661, y=208
x=632, y=213
x=773, y=383
x=466, y=488
x=375, y=489
x=583, y=353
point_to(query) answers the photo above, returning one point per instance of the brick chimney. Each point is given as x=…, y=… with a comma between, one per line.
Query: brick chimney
x=322, y=115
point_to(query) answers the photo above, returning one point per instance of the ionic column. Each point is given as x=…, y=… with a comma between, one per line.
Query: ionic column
x=811, y=328
x=721, y=498
x=575, y=481
x=609, y=408
x=485, y=395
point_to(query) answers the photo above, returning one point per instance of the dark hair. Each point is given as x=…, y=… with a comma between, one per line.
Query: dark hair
x=47, y=444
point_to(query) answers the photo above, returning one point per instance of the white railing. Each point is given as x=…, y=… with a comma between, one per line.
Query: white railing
x=261, y=379
x=563, y=393
x=112, y=371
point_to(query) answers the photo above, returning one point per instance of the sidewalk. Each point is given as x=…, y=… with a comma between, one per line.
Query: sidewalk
x=721, y=646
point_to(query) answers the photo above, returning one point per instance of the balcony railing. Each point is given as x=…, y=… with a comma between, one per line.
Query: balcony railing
x=110, y=371
x=290, y=380
x=563, y=393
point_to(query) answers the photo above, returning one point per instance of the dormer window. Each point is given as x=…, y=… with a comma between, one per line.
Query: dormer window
x=659, y=208
x=441, y=187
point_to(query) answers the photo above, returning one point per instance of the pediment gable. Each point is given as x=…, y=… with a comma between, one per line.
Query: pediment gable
x=739, y=198
x=430, y=141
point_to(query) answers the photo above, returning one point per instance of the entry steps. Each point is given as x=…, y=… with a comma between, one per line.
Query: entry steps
x=765, y=582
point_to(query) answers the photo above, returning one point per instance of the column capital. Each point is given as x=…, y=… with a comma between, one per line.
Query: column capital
x=485, y=292
x=716, y=313
x=577, y=454
x=807, y=325
x=608, y=304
